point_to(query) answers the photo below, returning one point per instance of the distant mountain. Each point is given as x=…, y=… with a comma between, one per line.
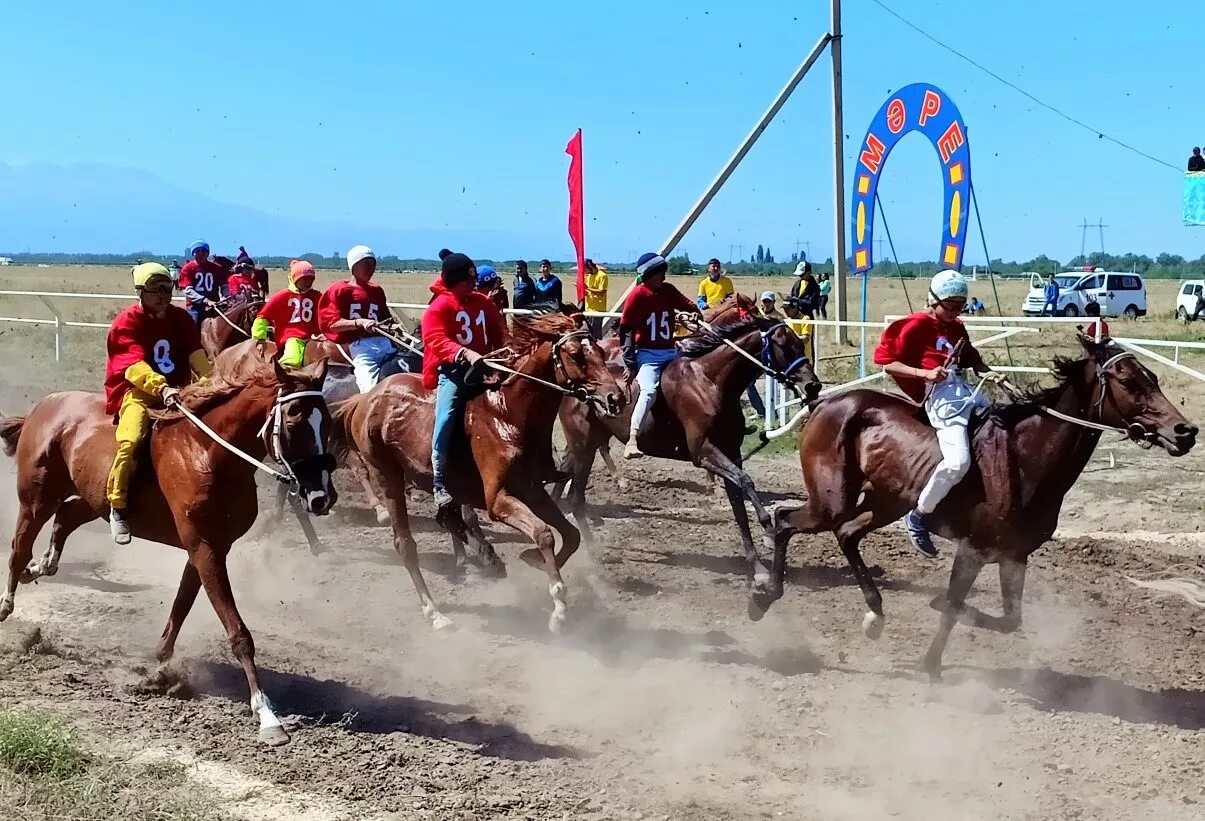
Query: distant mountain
x=90, y=207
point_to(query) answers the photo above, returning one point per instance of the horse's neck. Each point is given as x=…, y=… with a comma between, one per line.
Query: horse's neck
x=534, y=404
x=730, y=371
x=1065, y=447
x=239, y=419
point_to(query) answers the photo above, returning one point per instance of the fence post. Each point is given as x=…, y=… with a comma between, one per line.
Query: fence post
x=58, y=329
x=769, y=400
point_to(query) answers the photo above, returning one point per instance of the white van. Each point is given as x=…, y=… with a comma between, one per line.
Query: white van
x=1118, y=294
x=1186, y=298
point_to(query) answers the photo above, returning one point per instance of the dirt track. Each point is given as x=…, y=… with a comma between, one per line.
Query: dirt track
x=661, y=700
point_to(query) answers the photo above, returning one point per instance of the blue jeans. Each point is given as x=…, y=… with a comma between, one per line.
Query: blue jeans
x=1053, y=305
x=755, y=399
x=650, y=362
x=449, y=412
x=367, y=357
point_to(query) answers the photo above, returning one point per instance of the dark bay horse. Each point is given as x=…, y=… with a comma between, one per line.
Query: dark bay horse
x=509, y=458
x=697, y=417
x=234, y=325
x=866, y=455
x=199, y=497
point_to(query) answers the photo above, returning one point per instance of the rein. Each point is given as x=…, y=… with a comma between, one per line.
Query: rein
x=397, y=339
x=228, y=320
x=577, y=391
x=273, y=416
x=1102, y=376
x=764, y=363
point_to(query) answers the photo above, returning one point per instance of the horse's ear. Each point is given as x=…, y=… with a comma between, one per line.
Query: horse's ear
x=319, y=370
x=282, y=376
x=1089, y=344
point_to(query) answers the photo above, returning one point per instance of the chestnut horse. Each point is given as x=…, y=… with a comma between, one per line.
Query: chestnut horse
x=866, y=455
x=218, y=334
x=199, y=496
x=697, y=417
x=509, y=453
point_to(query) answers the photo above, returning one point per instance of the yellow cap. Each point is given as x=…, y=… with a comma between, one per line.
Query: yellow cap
x=146, y=274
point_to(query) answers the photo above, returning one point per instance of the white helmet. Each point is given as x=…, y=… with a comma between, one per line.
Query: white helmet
x=358, y=253
x=947, y=284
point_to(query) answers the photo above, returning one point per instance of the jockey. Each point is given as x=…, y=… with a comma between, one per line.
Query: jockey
x=348, y=313
x=647, y=330
x=202, y=280
x=916, y=351
x=490, y=284
x=243, y=283
x=292, y=314
x=153, y=348
x=459, y=327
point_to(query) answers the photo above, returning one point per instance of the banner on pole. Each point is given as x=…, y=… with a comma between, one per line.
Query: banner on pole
x=1194, y=198
x=925, y=108
x=577, y=217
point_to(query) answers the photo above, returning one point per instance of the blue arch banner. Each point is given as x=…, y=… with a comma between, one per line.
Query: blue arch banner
x=925, y=108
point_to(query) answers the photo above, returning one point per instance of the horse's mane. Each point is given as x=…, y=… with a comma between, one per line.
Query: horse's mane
x=1032, y=401
x=707, y=339
x=200, y=397
x=528, y=332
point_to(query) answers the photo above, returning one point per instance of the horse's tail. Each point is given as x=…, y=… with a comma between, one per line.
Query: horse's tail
x=10, y=433
x=1190, y=589
x=340, y=441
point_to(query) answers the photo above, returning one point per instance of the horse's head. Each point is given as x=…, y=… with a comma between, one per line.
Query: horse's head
x=297, y=434
x=1129, y=397
x=579, y=363
x=785, y=353
x=733, y=309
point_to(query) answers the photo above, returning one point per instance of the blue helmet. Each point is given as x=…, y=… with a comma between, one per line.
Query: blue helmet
x=486, y=274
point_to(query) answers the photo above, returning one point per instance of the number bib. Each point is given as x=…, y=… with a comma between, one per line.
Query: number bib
x=473, y=330
x=161, y=357
x=302, y=310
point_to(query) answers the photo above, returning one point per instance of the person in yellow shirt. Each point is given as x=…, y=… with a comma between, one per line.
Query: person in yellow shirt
x=596, y=296
x=801, y=325
x=715, y=287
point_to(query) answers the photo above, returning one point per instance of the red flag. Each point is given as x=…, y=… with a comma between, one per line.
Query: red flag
x=577, y=220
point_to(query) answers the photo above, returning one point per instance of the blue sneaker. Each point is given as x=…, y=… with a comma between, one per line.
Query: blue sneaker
x=918, y=534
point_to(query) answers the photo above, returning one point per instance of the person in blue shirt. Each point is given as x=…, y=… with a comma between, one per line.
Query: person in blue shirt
x=1052, y=297
x=525, y=288
x=548, y=287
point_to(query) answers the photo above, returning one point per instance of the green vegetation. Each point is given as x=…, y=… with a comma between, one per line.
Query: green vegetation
x=45, y=772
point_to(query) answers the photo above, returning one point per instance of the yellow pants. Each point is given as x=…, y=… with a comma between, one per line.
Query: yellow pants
x=293, y=355
x=133, y=423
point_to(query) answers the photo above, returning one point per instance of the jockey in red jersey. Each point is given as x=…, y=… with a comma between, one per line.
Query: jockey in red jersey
x=647, y=330
x=459, y=327
x=348, y=313
x=916, y=352
x=292, y=315
x=153, y=349
x=202, y=280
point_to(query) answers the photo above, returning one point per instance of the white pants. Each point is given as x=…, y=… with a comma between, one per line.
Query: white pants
x=367, y=357
x=949, y=407
x=650, y=362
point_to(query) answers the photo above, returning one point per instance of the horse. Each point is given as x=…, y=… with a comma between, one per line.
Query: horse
x=199, y=496
x=866, y=455
x=231, y=326
x=697, y=417
x=509, y=455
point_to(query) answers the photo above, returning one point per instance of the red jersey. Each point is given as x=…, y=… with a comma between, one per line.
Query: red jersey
x=1091, y=331
x=165, y=344
x=451, y=323
x=243, y=284
x=206, y=278
x=348, y=300
x=292, y=315
x=920, y=341
x=649, y=314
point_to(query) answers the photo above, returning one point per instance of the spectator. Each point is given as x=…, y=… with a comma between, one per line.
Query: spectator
x=767, y=307
x=525, y=289
x=806, y=290
x=1052, y=297
x=1200, y=306
x=801, y=326
x=826, y=285
x=974, y=307
x=596, y=296
x=1196, y=162
x=548, y=287
x=715, y=287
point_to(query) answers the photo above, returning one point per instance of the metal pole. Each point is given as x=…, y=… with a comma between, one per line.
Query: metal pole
x=668, y=246
x=840, y=294
x=58, y=328
x=862, y=356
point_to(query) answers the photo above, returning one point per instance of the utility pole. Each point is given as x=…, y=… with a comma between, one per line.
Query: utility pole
x=840, y=292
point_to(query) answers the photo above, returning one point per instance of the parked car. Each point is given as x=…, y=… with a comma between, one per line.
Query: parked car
x=1186, y=299
x=1118, y=294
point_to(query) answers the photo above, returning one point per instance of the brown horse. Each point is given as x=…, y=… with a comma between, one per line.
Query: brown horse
x=233, y=326
x=199, y=497
x=697, y=417
x=866, y=455
x=509, y=457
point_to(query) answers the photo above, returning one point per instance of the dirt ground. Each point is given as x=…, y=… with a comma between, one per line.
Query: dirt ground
x=661, y=700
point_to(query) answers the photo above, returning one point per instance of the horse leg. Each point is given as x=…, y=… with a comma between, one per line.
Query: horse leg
x=190, y=583
x=738, y=483
x=737, y=500
x=512, y=511
x=487, y=557
x=403, y=540
x=604, y=450
x=356, y=464
x=849, y=536
x=67, y=519
x=30, y=521
x=210, y=564
x=967, y=564
x=1012, y=589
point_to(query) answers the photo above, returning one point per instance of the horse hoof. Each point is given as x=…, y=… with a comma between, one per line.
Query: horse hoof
x=556, y=624
x=758, y=605
x=273, y=736
x=382, y=515
x=872, y=625
x=6, y=609
x=441, y=622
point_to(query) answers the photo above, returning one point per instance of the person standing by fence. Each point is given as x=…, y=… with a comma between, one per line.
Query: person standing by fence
x=826, y=285
x=596, y=296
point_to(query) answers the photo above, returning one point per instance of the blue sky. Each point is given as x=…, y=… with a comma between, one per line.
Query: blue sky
x=454, y=115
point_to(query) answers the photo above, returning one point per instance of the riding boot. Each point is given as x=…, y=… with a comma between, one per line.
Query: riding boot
x=918, y=534
x=119, y=528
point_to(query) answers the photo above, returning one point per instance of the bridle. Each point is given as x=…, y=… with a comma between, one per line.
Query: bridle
x=575, y=389
x=766, y=361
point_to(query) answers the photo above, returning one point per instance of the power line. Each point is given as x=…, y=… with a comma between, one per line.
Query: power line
x=1100, y=134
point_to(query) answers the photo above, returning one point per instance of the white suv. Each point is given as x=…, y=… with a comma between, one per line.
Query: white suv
x=1118, y=294
x=1186, y=299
